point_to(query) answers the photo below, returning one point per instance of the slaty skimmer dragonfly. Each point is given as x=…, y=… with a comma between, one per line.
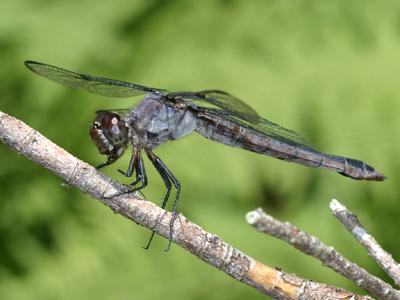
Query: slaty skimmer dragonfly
x=164, y=116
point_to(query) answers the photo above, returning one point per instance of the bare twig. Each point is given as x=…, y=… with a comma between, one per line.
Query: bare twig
x=384, y=259
x=327, y=255
x=206, y=246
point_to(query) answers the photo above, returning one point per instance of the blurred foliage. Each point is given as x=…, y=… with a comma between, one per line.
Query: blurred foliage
x=328, y=69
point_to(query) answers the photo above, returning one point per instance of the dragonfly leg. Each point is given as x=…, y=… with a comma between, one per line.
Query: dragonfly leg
x=136, y=164
x=110, y=160
x=140, y=176
x=168, y=177
x=168, y=185
x=132, y=164
x=107, y=163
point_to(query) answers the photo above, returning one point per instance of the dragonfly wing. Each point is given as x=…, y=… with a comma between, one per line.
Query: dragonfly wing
x=220, y=99
x=97, y=85
x=258, y=125
x=235, y=110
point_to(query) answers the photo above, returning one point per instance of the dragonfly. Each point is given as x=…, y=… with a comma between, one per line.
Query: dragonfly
x=163, y=116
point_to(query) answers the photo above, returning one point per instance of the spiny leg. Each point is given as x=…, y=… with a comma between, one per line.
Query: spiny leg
x=177, y=186
x=107, y=163
x=167, y=174
x=167, y=183
x=140, y=176
x=136, y=164
x=132, y=164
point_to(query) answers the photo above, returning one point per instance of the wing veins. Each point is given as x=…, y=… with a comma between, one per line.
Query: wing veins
x=262, y=127
x=97, y=85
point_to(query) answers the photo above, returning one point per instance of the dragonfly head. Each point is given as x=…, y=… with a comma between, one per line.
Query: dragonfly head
x=110, y=134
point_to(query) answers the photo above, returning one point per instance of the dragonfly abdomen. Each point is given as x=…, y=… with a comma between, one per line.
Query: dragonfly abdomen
x=233, y=135
x=358, y=169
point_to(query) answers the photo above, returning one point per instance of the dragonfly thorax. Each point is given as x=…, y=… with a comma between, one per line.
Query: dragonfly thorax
x=110, y=134
x=155, y=122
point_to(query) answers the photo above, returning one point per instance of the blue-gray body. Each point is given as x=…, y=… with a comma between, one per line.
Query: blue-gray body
x=154, y=122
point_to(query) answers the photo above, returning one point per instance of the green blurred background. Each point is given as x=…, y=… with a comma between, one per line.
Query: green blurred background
x=327, y=69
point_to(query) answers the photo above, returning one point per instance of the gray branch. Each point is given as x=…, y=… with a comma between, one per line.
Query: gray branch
x=311, y=245
x=384, y=259
x=206, y=246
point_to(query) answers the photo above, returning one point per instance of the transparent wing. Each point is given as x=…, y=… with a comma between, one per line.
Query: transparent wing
x=258, y=125
x=235, y=110
x=97, y=85
x=219, y=99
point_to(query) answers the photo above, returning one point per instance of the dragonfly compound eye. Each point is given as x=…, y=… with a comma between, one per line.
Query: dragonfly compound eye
x=110, y=134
